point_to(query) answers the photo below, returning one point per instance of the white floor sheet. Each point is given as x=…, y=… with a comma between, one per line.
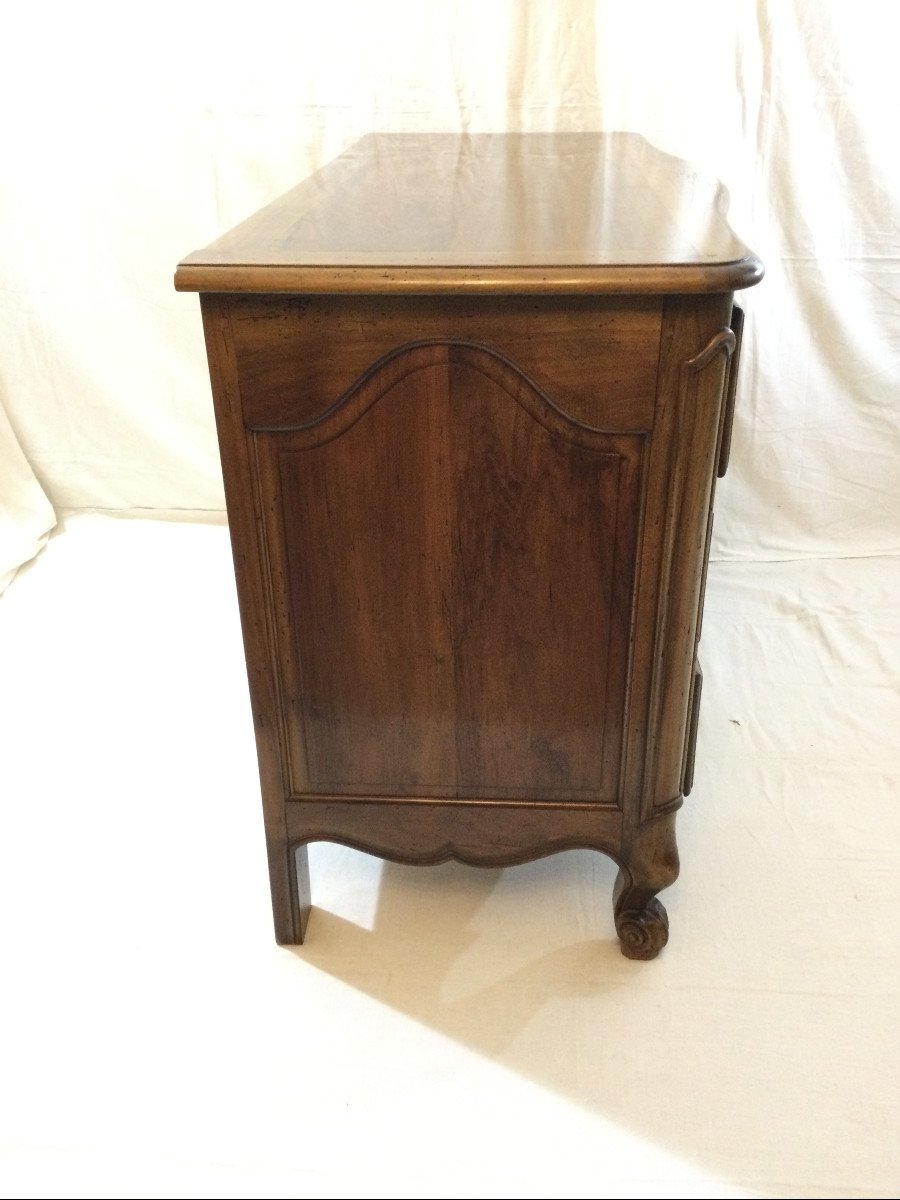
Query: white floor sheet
x=445, y=1031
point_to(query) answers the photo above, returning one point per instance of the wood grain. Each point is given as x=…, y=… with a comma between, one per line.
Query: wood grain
x=486, y=213
x=471, y=529
x=482, y=835
x=445, y=539
x=675, y=513
x=596, y=357
x=288, y=873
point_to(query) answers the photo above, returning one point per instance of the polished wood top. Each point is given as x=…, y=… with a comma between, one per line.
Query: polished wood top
x=515, y=212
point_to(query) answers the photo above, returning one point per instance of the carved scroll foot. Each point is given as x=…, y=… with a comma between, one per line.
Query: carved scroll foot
x=649, y=864
x=643, y=930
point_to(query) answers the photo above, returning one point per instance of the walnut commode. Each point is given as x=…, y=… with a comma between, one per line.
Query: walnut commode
x=472, y=395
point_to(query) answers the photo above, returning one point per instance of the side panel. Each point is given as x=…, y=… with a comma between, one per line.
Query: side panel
x=452, y=562
x=595, y=356
x=470, y=602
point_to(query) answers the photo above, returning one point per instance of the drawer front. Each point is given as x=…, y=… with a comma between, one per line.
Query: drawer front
x=681, y=468
x=690, y=743
x=729, y=387
x=595, y=358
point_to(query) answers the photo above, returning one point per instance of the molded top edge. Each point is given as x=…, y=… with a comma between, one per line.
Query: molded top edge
x=576, y=212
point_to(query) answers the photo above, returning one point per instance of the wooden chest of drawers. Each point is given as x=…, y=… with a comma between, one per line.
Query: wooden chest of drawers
x=472, y=394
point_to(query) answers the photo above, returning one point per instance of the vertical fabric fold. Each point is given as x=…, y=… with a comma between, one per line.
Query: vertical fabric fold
x=27, y=517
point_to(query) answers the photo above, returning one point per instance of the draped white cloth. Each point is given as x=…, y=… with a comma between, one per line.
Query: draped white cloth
x=443, y=1032
x=26, y=515
x=133, y=145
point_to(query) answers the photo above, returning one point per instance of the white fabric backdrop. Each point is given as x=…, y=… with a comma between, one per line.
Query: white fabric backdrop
x=26, y=515
x=126, y=145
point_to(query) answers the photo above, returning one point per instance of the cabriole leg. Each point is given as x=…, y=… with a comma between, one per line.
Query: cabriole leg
x=649, y=864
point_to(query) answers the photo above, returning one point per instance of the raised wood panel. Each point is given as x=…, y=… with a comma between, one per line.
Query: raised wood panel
x=453, y=560
x=366, y=509
x=597, y=358
x=539, y=522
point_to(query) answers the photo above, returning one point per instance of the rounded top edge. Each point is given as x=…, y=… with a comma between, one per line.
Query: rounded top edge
x=623, y=278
